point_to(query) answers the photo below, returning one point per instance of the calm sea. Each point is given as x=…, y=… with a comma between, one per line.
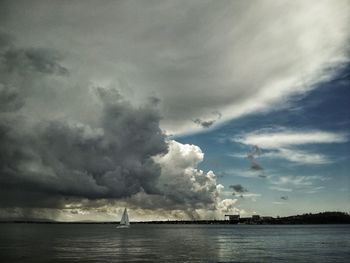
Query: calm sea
x=174, y=243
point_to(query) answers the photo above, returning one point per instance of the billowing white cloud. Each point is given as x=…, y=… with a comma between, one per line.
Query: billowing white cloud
x=183, y=190
x=228, y=206
x=186, y=185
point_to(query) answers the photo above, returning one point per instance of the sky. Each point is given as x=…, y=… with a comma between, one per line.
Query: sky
x=173, y=109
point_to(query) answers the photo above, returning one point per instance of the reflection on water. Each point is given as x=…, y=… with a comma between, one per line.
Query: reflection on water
x=173, y=243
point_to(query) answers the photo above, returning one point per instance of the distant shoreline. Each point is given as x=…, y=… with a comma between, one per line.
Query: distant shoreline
x=320, y=218
x=222, y=222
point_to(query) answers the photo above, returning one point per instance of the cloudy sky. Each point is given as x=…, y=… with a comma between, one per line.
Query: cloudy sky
x=174, y=109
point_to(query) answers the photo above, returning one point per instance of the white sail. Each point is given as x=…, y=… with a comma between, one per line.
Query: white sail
x=124, y=222
x=125, y=218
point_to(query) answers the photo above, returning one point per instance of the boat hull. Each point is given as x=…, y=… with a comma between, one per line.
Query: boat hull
x=122, y=226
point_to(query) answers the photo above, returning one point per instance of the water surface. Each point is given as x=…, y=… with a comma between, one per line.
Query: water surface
x=174, y=243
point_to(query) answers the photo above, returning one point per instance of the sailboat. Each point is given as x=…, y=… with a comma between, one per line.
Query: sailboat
x=124, y=222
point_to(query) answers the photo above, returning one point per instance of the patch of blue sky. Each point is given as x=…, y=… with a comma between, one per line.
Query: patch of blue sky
x=326, y=109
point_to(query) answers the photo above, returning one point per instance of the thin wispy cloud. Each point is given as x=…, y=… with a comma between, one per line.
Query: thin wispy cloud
x=281, y=189
x=253, y=196
x=297, y=181
x=245, y=173
x=283, y=143
x=284, y=138
x=278, y=203
x=242, y=195
x=305, y=184
x=298, y=156
x=315, y=190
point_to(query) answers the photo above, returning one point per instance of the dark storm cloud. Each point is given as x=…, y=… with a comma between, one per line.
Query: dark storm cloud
x=204, y=124
x=255, y=166
x=45, y=161
x=34, y=59
x=21, y=66
x=154, y=100
x=41, y=60
x=238, y=188
x=195, y=55
x=76, y=160
x=255, y=151
x=53, y=162
x=252, y=155
x=5, y=39
x=10, y=99
x=208, y=123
